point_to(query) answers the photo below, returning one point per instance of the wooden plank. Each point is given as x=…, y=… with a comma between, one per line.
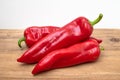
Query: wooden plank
x=106, y=67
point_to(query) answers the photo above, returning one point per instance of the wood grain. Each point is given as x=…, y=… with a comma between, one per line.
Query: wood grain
x=107, y=67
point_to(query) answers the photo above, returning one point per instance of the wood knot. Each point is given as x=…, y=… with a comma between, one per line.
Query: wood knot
x=115, y=39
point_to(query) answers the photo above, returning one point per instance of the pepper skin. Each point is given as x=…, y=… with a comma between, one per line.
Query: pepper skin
x=34, y=33
x=78, y=30
x=82, y=52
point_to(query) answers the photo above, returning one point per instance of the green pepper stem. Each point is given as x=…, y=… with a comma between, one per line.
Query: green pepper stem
x=96, y=20
x=19, y=41
x=102, y=48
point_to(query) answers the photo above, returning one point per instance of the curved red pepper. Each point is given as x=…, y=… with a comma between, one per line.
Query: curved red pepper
x=86, y=51
x=33, y=34
x=78, y=30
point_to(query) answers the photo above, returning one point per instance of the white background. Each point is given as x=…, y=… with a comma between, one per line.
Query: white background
x=19, y=14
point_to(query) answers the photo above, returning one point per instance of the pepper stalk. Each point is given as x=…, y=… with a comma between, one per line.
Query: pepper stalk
x=96, y=20
x=21, y=40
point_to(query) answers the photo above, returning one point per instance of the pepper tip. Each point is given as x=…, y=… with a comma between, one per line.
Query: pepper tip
x=19, y=60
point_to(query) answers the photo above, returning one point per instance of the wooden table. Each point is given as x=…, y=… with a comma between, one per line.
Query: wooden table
x=107, y=67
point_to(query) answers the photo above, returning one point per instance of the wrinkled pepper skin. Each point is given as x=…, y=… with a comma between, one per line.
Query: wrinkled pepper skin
x=76, y=31
x=34, y=33
x=82, y=52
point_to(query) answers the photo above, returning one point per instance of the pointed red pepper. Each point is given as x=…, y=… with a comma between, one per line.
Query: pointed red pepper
x=78, y=30
x=34, y=33
x=82, y=52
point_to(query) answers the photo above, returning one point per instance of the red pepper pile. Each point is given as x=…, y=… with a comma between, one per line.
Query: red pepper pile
x=53, y=47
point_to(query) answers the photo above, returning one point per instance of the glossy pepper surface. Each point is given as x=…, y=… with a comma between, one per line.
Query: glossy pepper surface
x=82, y=52
x=77, y=30
x=33, y=34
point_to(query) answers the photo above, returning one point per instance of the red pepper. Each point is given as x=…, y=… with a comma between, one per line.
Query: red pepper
x=33, y=34
x=78, y=30
x=82, y=52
